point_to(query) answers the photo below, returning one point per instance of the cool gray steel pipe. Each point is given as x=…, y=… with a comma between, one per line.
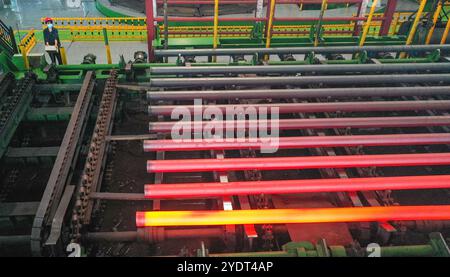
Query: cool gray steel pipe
x=285, y=108
x=297, y=124
x=303, y=80
x=299, y=93
x=300, y=50
x=323, y=68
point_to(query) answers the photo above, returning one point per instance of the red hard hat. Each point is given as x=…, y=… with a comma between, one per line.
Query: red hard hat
x=47, y=19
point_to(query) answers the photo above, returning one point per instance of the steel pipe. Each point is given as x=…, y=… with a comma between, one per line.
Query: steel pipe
x=330, y=68
x=285, y=216
x=300, y=50
x=297, y=124
x=204, y=190
x=298, y=142
x=286, y=108
x=286, y=163
x=298, y=93
x=302, y=80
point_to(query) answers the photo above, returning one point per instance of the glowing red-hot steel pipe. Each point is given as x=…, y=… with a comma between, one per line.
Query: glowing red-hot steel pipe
x=203, y=190
x=286, y=163
x=298, y=142
x=285, y=216
x=318, y=123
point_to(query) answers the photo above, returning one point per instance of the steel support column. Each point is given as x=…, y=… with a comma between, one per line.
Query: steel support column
x=149, y=12
x=388, y=16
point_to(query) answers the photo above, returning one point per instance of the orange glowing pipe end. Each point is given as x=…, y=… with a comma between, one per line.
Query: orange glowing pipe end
x=284, y=216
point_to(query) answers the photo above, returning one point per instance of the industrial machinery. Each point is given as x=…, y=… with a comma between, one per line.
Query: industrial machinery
x=257, y=146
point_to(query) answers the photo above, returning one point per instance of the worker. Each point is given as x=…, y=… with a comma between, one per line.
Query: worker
x=51, y=38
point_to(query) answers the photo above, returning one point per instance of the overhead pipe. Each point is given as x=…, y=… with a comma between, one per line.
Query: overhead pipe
x=290, y=163
x=286, y=216
x=286, y=108
x=317, y=68
x=204, y=190
x=302, y=80
x=298, y=93
x=297, y=124
x=300, y=50
x=298, y=142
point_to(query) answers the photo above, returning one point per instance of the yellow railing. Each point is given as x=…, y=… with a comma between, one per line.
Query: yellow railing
x=26, y=45
x=66, y=22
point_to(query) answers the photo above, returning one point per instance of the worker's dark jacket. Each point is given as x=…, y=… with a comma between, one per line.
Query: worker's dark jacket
x=50, y=37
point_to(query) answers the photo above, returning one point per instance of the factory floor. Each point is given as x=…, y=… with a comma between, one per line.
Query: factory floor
x=26, y=14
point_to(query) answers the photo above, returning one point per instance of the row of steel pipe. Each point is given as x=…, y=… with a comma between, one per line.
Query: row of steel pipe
x=204, y=190
x=297, y=124
x=321, y=68
x=303, y=80
x=299, y=93
x=290, y=163
x=286, y=108
x=300, y=50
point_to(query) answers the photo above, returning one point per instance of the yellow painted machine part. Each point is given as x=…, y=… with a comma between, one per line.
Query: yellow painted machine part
x=435, y=19
x=216, y=27
x=269, y=26
x=412, y=33
x=368, y=23
x=445, y=34
x=62, y=52
x=26, y=45
x=322, y=11
x=108, y=54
